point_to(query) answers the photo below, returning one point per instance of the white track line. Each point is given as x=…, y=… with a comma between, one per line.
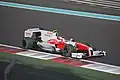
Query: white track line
x=102, y=67
x=38, y=55
x=10, y=46
x=29, y=50
x=32, y=53
x=100, y=63
x=107, y=4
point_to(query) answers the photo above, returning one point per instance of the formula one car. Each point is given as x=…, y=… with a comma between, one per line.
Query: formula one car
x=40, y=39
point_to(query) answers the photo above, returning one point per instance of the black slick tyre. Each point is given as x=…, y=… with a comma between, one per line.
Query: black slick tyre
x=27, y=43
x=67, y=50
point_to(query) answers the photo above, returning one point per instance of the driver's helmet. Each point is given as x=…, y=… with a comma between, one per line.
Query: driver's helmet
x=72, y=40
x=55, y=31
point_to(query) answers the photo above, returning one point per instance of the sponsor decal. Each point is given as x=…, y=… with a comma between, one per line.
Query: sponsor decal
x=28, y=34
x=47, y=35
x=49, y=32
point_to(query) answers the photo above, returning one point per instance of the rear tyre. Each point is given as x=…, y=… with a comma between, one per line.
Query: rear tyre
x=67, y=50
x=27, y=43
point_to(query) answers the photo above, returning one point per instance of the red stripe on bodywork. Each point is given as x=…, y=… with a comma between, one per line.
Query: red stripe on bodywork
x=70, y=61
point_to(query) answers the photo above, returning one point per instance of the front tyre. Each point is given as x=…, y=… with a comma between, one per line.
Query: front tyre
x=67, y=50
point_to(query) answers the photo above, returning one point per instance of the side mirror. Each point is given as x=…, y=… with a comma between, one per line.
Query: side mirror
x=71, y=39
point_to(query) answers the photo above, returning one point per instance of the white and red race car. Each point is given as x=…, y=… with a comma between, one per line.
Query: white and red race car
x=40, y=39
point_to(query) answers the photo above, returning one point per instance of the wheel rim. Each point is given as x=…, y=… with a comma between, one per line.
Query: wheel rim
x=67, y=51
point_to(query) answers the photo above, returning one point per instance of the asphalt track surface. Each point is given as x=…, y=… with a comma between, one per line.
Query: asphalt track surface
x=102, y=34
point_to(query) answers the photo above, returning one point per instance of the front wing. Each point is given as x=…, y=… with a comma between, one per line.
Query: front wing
x=83, y=55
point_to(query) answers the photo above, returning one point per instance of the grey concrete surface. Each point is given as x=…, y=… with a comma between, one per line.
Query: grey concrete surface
x=102, y=34
x=69, y=5
x=2, y=68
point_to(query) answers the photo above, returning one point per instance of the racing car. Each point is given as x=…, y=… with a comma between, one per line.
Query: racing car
x=44, y=40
